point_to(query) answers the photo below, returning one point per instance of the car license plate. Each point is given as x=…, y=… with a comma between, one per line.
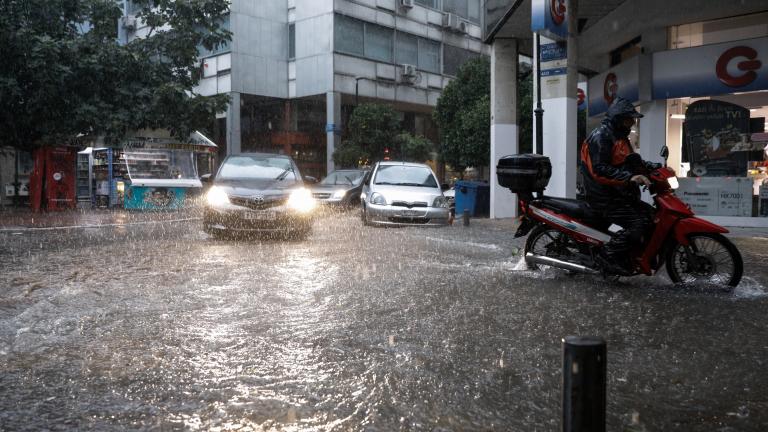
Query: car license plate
x=262, y=215
x=411, y=212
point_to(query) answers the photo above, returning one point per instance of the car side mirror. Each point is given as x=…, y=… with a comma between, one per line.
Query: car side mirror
x=206, y=178
x=310, y=179
x=445, y=186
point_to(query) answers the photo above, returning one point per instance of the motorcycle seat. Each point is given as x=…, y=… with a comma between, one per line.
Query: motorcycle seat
x=574, y=208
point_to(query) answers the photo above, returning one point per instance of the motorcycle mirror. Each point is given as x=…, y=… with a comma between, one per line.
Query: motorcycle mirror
x=664, y=152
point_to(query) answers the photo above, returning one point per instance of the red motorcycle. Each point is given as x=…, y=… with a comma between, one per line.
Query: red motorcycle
x=568, y=234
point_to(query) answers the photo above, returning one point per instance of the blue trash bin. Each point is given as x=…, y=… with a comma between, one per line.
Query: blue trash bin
x=472, y=196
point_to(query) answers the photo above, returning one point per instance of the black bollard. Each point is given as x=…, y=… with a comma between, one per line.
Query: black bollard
x=466, y=217
x=584, y=381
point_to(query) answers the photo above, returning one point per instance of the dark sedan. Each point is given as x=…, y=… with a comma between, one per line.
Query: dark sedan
x=341, y=188
x=258, y=192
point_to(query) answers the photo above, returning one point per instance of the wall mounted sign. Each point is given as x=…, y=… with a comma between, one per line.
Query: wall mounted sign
x=621, y=80
x=550, y=18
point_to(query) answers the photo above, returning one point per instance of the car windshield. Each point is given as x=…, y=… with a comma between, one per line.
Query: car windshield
x=404, y=175
x=257, y=167
x=345, y=178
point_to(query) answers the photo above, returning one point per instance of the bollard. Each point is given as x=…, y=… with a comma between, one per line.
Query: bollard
x=584, y=381
x=466, y=217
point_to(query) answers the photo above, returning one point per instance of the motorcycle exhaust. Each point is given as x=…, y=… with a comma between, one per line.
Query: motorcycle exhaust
x=553, y=262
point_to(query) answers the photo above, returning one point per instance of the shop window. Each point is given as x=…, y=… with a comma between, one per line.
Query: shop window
x=719, y=31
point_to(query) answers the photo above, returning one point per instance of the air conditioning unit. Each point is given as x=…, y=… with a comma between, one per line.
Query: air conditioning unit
x=454, y=23
x=409, y=73
x=406, y=4
x=128, y=22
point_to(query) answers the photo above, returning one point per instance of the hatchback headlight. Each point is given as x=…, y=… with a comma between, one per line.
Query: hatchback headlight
x=301, y=200
x=217, y=196
x=339, y=194
x=441, y=202
x=673, y=183
x=378, y=199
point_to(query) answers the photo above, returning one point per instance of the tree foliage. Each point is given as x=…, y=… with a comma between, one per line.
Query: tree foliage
x=66, y=75
x=463, y=116
x=374, y=132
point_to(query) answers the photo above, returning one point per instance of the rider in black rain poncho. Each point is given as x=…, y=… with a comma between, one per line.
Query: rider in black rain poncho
x=612, y=174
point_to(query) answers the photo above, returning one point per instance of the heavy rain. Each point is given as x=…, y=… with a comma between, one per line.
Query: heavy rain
x=120, y=321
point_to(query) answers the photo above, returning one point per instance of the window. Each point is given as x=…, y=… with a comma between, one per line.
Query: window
x=455, y=57
x=349, y=35
x=378, y=42
x=291, y=41
x=428, y=3
x=469, y=9
x=221, y=48
x=429, y=55
x=407, y=49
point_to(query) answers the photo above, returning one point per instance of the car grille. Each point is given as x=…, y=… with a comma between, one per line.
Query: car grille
x=408, y=204
x=409, y=220
x=257, y=204
x=321, y=195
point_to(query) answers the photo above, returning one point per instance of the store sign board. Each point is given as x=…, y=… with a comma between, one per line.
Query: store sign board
x=554, y=51
x=709, y=70
x=549, y=18
x=622, y=80
x=717, y=196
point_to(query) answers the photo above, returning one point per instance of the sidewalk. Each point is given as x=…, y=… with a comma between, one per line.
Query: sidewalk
x=25, y=219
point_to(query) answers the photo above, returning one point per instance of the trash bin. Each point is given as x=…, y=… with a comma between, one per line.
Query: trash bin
x=473, y=196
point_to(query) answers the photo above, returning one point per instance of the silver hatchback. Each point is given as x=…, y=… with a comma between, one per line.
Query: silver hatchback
x=403, y=193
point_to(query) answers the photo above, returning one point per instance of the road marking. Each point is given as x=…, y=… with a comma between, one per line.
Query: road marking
x=21, y=229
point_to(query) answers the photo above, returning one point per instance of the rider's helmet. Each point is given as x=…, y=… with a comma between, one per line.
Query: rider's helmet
x=622, y=108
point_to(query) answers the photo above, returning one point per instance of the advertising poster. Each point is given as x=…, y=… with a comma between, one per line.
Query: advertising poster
x=622, y=80
x=716, y=139
x=549, y=18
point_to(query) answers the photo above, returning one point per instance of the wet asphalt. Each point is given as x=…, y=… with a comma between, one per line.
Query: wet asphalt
x=156, y=326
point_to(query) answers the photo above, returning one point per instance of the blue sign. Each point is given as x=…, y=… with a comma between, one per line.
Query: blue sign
x=332, y=127
x=553, y=72
x=549, y=18
x=553, y=51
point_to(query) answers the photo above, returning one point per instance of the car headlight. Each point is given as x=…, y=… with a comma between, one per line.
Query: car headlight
x=440, y=202
x=339, y=193
x=378, y=199
x=217, y=197
x=301, y=200
x=673, y=183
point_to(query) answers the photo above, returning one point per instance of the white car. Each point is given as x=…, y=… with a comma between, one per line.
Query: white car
x=403, y=193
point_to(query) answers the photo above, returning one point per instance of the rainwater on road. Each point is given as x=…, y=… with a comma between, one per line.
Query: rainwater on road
x=159, y=327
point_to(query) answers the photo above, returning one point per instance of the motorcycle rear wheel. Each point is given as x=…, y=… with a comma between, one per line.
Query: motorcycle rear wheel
x=717, y=261
x=547, y=241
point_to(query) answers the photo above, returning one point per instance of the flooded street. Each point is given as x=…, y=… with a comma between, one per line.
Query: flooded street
x=157, y=326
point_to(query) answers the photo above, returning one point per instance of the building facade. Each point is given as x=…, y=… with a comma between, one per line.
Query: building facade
x=697, y=70
x=295, y=68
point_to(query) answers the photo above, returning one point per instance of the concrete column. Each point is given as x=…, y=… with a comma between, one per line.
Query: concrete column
x=332, y=127
x=504, y=134
x=559, y=100
x=653, y=130
x=234, y=134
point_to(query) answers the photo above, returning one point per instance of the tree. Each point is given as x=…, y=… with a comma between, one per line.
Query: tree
x=372, y=129
x=463, y=116
x=65, y=74
x=414, y=148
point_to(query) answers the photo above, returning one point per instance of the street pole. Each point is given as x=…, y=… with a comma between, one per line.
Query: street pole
x=539, y=111
x=584, y=381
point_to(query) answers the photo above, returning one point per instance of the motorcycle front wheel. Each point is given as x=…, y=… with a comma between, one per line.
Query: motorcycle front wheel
x=711, y=258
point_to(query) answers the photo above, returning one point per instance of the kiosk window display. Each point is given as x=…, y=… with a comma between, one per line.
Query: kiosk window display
x=160, y=179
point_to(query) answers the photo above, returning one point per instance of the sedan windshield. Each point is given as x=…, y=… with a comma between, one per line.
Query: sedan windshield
x=343, y=178
x=403, y=175
x=257, y=167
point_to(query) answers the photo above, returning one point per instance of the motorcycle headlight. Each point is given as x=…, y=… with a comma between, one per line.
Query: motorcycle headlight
x=440, y=202
x=217, y=197
x=378, y=199
x=339, y=194
x=301, y=200
x=673, y=183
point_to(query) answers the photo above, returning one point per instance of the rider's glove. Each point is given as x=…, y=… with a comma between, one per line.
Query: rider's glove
x=640, y=180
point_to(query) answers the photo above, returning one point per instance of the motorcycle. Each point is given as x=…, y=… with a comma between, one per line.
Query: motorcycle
x=568, y=234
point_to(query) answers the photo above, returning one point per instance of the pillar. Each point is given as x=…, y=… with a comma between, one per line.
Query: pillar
x=653, y=130
x=234, y=135
x=504, y=134
x=332, y=127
